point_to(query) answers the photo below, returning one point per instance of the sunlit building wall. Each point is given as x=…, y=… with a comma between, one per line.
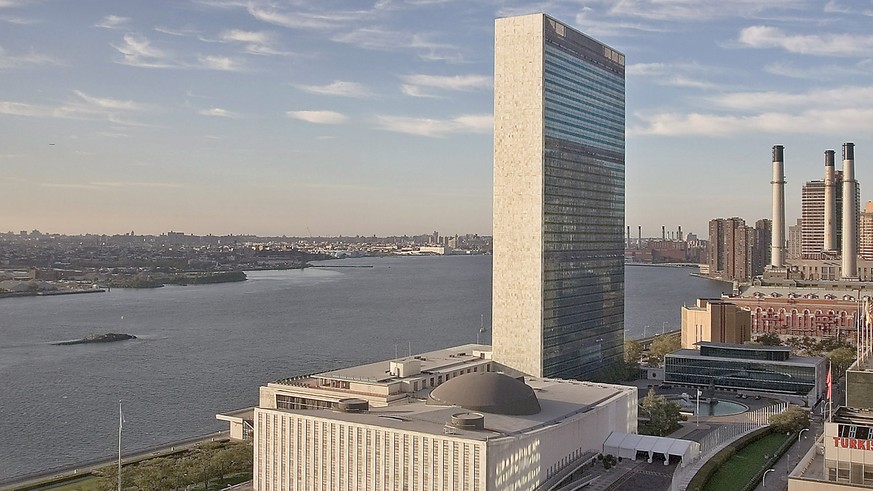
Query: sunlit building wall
x=559, y=158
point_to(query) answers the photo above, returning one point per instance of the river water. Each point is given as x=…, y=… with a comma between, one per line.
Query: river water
x=206, y=349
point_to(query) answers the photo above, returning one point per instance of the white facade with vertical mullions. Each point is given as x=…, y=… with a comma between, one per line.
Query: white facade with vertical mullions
x=411, y=445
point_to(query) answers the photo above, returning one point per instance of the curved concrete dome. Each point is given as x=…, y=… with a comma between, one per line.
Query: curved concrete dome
x=487, y=392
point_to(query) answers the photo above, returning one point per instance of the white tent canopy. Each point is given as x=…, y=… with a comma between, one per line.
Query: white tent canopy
x=626, y=445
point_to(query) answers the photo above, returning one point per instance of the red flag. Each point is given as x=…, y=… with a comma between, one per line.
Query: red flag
x=830, y=383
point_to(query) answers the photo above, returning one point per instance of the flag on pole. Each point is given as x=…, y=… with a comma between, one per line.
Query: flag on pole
x=830, y=383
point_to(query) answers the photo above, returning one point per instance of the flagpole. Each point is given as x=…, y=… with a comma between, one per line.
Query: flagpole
x=830, y=394
x=120, y=425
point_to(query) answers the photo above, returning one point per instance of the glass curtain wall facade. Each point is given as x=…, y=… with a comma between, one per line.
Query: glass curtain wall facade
x=559, y=158
x=740, y=374
x=583, y=211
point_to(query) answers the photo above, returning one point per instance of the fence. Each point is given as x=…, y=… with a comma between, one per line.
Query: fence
x=720, y=437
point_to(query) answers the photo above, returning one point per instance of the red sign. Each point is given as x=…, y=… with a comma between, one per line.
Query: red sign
x=853, y=443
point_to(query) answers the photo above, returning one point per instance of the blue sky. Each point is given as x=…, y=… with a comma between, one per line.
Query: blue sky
x=374, y=117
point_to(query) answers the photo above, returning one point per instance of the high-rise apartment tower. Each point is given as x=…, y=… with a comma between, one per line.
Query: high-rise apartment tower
x=559, y=159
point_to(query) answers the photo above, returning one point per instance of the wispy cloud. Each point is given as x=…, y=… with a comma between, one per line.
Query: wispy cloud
x=697, y=10
x=338, y=88
x=299, y=19
x=113, y=22
x=838, y=7
x=688, y=75
x=837, y=97
x=84, y=107
x=383, y=40
x=846, y=45
x=222, y=63
x=31, y=59
x=21, y=21
x=319, y=117
x=253, y=42
x=219, y=113
x=449, y=82
x=817, y=122
x=436, y=128
x=138, y=51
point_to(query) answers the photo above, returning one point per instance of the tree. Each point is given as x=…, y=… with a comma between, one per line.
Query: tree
x=791, y=420
x=664, y=416
x=633, y=352
x=770, y=339
x=841, y=359
x=661, y=345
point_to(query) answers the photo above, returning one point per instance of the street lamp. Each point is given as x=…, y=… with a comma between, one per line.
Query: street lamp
x=800, y=433
x=765, y=477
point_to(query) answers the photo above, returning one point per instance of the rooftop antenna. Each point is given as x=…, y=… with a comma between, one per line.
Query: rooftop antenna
x=410, y=350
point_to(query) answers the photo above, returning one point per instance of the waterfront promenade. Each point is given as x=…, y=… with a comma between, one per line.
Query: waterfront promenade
x=84, y=469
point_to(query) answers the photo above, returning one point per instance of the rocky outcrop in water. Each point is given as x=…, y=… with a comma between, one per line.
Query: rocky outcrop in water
x=109, y=337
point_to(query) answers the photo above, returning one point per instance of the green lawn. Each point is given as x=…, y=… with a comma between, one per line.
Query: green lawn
x=736, y=472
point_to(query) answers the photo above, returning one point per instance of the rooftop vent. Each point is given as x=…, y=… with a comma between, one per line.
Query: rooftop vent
x=353, y=405
x=468, y=421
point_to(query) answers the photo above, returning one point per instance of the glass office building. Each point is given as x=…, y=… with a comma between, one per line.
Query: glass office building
x=746, y=367
x=559, y=116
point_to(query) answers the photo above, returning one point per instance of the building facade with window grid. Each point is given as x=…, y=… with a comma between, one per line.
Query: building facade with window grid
x=559, y=159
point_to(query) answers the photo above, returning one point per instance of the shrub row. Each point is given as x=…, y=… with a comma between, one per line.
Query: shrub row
x=708, y=469
x=753, y=483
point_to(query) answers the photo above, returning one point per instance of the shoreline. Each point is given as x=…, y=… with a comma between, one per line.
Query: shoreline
x=84, y=469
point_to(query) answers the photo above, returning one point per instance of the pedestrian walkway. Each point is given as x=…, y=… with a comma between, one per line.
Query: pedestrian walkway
x=778, y=479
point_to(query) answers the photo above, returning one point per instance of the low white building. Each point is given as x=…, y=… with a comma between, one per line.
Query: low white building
x=447, y=419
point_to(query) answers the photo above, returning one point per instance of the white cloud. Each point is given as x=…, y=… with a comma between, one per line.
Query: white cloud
x=84, y=107
x=837, y=122
x=138, y=51
x=21, y=21
x=436, y=128
x=696, y=10
x=383, y=40
x=319, y=117
x=820, y=45
x=221, y=63
x=338, y=88
x=254, y=42
x=837, y=7
x=113, y=22
x=837, y=97
x=31, y=59
x=451, y=82
x=295, y=20
x=686, y=75
x=218, y=112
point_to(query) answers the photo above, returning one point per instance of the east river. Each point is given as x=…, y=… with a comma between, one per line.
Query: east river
x=206, y=349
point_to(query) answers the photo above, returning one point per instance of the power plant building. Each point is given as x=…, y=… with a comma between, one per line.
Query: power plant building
x=559, y=161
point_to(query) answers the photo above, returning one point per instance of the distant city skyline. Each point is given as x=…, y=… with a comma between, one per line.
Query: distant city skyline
x=359, y=118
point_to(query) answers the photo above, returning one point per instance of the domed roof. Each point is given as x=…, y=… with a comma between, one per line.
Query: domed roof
x=488, y=392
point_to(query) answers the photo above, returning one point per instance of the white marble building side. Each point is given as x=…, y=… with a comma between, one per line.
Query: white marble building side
x=517, y=302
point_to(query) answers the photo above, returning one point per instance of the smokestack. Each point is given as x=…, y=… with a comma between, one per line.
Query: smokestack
x=628, y=237
x=850, y=217
x=663, y=232
x=777, y=234
x=680, y=232
x=639, y=235
x=830, y=204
